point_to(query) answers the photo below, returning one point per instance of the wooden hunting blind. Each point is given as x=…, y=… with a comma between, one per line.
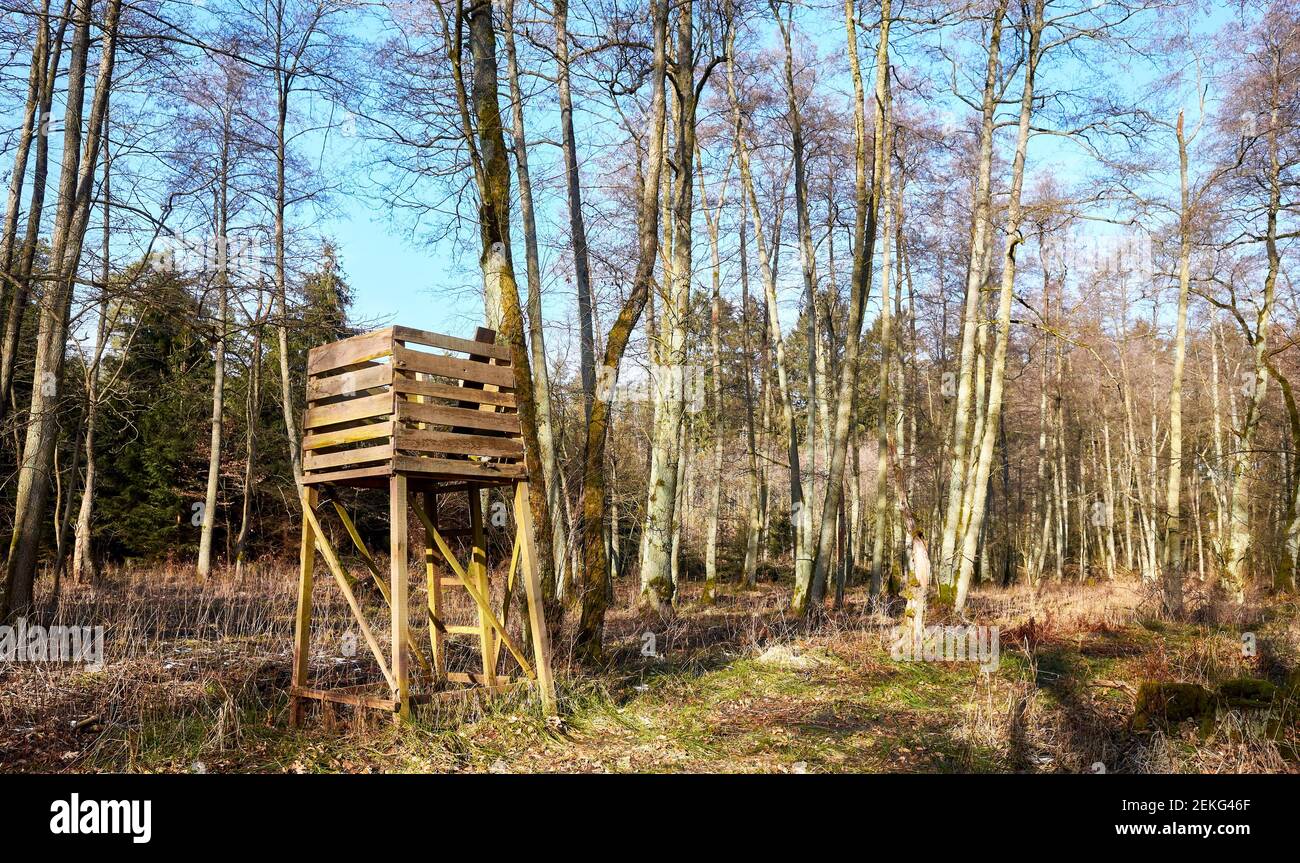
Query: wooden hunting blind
x=425, y=416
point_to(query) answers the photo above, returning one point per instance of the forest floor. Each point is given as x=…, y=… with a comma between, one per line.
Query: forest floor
x=195, y=675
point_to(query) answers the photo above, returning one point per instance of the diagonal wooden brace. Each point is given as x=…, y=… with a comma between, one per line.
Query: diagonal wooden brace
x=510, y=583
x=472, y=590
x=332, y=561
x=369, y=560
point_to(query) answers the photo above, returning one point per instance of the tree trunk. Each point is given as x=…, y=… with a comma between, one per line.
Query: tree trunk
x=712, y=219
x=595, y=572
x=753, y=513
x=803, y=573
x=976, y=275
x=22, y=266
x=494, y=230
x=670, y=370
x=252, y=410
x=204, y=567
x=1240, y=536
x=1171, y=562
x=577, y=227
x=75, y=187
x=536, y=324
x=83, y=560
x=997, y=372
x=18, y=175
x=803, y=517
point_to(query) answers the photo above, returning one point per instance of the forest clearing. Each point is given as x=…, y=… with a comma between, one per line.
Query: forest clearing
x=737, y=686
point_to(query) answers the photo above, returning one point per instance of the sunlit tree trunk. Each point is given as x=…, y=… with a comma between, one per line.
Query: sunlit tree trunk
x=252, y=411
x=536, y=324
x=492, y=173
x=976, y=275
x=75, y=192
x=18, y=172
x=573, y=188
x=83, y=560
x=595, y=569
x=283, y=88
x=204, y=567
x=803, y=517
x=997, y=371
x=21, y=265
x=774, y=333
x=870, y=187
x=712, y=217
x=1240, y=535
x=754, y=511
x=1171, y=562
x=884, y=380
x=669, y=373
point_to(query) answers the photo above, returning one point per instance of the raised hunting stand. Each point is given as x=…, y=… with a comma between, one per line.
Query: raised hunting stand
x=384, y=411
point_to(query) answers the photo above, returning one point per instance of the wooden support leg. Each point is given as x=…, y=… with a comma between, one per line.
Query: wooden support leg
x=302, y=624
x=479, y=575
x=533, y=590
x=398, y=589
x=433, y=582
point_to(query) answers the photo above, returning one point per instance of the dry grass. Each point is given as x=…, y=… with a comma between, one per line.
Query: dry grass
x=195, y=677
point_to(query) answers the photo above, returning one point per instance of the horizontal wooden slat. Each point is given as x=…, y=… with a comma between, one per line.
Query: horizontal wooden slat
x=454, y=467
x=350, y=351
x=462, y=630
x=462, y=444
x=451, y=343
x=370, y=431
x=344, y=697
x=355, y=409
x=376, y=375
x=461, y=417
x=360, y=456
x=405, y=384
x=476, y=678
x=315, y=478
x=470, y=692
x=450, y=367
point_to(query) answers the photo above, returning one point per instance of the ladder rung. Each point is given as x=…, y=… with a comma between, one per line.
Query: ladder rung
x=464, y=630
x=452, y=581
x=476, y=678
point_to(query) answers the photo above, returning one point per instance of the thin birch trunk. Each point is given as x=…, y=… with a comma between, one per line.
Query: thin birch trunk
x=22, y=267
x=775, y=337
x=712, y=217
x=204, y=566
x=1171, y=562
x=536, y=324
x=1240, y=531
x=976, y=276
x=998, y=369
x=75, y=187
x=871, y=187
x=595, y=563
